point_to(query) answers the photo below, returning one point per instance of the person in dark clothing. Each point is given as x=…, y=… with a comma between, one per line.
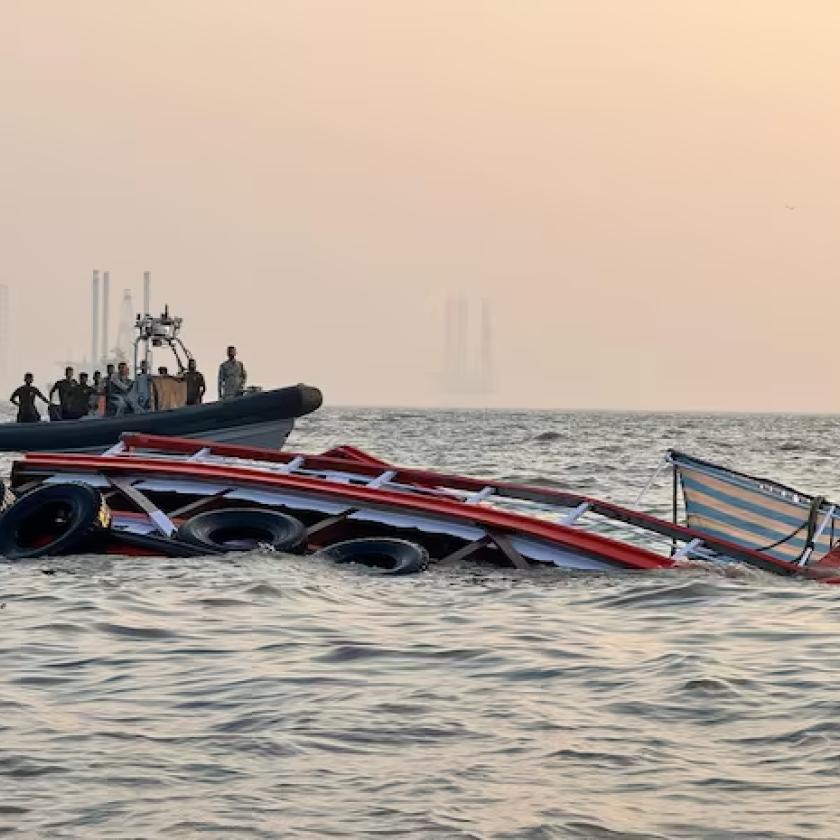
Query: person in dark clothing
x=24, y=398
x=80, y=398
x=76, y=404
x=65, y=388
x=107, y=391
x=195, y=384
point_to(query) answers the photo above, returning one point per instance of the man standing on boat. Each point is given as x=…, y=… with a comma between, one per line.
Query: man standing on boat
x=79, y=400
x=232, y=376
x=144, y=387
x=65, y=389
x=93, y=406
x=107, y=390
x=24, y=399
x=195, y=383
x=122, y=385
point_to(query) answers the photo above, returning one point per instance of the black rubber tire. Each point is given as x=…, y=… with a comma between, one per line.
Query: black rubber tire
x=73, y=514
x=243, y=529
x=157, y=543
x=387, y=555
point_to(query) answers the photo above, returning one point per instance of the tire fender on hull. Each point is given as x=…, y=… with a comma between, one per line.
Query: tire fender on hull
x=387, y=555
x=53, y=519
x=243, y=529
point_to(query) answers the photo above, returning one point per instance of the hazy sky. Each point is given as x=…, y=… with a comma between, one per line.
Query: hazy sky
x=310, y=180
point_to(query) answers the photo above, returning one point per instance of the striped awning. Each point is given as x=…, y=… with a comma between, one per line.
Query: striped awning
x=756, y=513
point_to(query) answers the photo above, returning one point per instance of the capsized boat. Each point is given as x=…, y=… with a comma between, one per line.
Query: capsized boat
x=257, y=418
x=164, y=492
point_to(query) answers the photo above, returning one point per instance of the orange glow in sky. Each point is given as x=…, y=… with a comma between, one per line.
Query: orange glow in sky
x=311, y=180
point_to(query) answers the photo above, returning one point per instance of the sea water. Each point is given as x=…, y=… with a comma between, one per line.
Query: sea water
x=269, y=696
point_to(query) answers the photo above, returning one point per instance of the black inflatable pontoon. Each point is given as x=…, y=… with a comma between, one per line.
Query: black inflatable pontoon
x=264, y=418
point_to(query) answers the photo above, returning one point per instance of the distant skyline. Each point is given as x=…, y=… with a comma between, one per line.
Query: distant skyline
x=646, y=192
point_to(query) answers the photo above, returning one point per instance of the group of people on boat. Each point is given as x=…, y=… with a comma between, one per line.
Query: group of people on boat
x=116, y=393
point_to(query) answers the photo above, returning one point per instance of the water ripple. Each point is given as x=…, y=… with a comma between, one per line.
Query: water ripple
x=274, y=697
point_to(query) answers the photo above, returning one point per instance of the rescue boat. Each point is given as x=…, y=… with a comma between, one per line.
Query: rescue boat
x=256, y=418
x=263, y=418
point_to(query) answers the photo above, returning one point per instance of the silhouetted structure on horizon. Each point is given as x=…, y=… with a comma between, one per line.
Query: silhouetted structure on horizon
x=4, y=337
x=466, y=372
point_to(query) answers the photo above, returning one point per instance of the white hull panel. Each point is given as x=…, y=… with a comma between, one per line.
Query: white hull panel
x=532, y=549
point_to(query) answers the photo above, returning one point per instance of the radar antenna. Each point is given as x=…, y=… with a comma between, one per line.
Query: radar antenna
x=159, y=331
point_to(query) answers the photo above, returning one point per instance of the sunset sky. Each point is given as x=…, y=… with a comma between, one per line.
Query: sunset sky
x=310, y=181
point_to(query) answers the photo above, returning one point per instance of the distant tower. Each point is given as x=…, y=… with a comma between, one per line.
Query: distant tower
x=102, y=359
x=449, y=343
x=4, y=336
x=460, y=353
x=147, y=292
x=123, y=350
x=486, y=374
x=94, y=318
x=447, y=332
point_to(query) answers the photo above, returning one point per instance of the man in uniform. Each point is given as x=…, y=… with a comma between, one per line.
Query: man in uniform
x=24, y=398
x=78, y=401
x=107, y=390
x=65, y=388
x=232, y=376
x=144, y=387
x=121, y=387
x=195, y=383
x=84, y=394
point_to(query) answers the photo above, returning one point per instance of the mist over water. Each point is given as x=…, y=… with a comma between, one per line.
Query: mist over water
x=639, y=189
x=271, y=696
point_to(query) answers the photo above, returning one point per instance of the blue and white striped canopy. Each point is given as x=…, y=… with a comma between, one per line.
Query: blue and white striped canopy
x=753, y=512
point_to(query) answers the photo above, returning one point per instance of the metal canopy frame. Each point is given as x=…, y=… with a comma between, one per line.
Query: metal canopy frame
x=157, y=331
